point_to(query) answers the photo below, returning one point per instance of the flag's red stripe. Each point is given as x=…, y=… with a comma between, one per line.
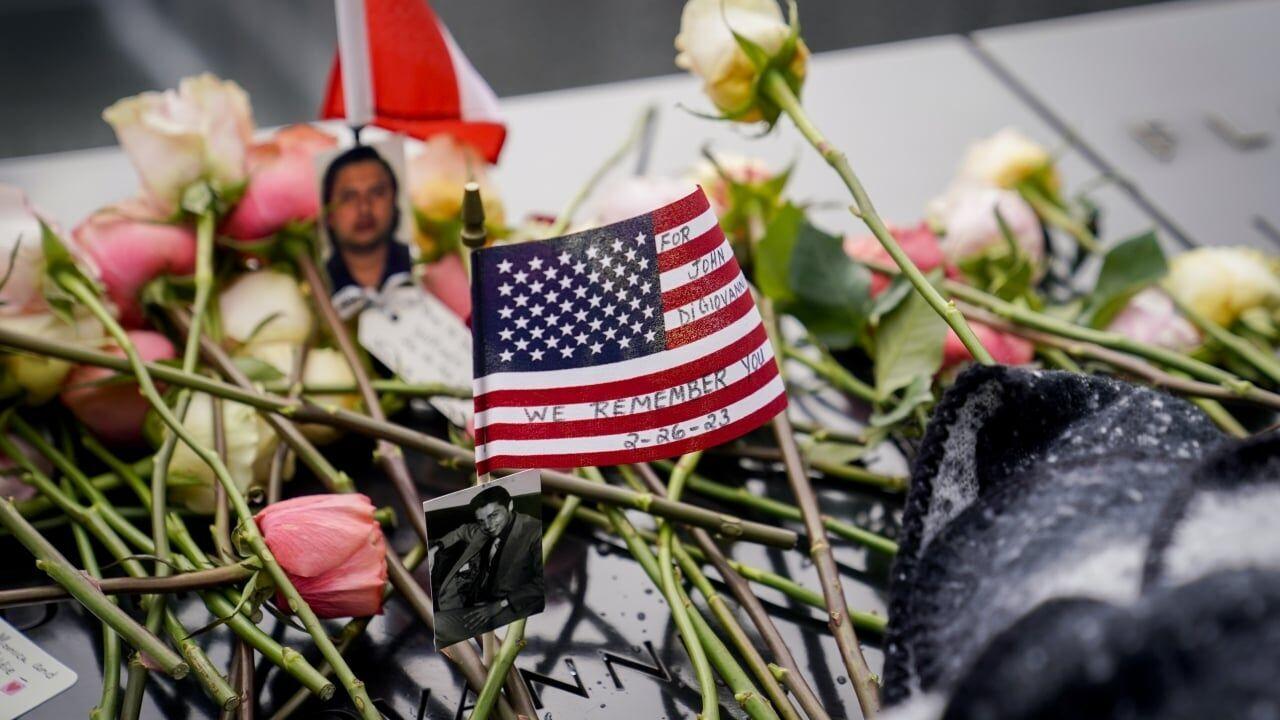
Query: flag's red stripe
x=652, y=382
x=692, y=250
x=702, y=287
x=680, y=211
x=656, y=452
x=717, y=320
x=685, y=412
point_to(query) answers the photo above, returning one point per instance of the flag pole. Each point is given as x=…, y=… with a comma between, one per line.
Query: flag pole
x=474, y=236
x=353, y=58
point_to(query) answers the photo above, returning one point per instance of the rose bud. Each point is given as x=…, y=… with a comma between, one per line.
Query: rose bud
x=250, y=445
x=1007, y=159
x=1219, y=283
x=447, y=279
x=323, y=366
x=282, y=183
x=971, y=229
x=919, y=243
x=11, y=484
x=176, y=138
x=37, y=378
x=1150, y=317
x=333, y=551
x=737, y=168
x=707, y=48
x=1005, y=349
x=114, y=411
x=265, y=306
x=437, y=174
x=130, y=245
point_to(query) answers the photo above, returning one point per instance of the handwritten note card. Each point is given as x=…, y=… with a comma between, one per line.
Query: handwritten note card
x=28, y=675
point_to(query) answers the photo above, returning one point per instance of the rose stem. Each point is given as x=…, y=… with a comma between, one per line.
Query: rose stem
x=1054, y=215
x=73, y=284
x=56, y=521
x=379, y=385
x=1205, y=395
x=1263, y=361
x=109, y=527
x=192, y=559
x=821, y=434
x=338, y=482
x=110, y=701
x=106, y=481
x=638, y=131
x=183, y=582
x=87, y=594
x=280, y=458
x=242, y=678
x=853, y=473
x=306, y=411
x=788, y=587
x=777, y=89
x=241, y=671
x=833, y=372
x=737, y=680
x=755, y=661
x=679, y=612
x=864, y=683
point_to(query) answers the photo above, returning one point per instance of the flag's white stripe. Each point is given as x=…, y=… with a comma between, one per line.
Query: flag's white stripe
x=619, y=441
x=707, y=304
x=621, y=370
x=681, y=234
x=696, y=269
x=658, y=400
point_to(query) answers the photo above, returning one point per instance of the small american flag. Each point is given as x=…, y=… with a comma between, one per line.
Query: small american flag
x=634, y=341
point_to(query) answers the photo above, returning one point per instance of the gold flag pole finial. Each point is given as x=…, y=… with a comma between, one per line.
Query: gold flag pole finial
x=473, y=230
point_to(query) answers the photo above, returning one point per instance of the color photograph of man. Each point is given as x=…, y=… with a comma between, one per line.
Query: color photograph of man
x=360, y=197
x=487, y=572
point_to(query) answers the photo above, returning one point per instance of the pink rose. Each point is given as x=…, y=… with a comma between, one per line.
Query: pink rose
x=631, y=196
x=114, y=411
x=333, y=551
x=130, y=246
x=20, y=239
x=447, y=279
x=10, y=485
x=1150, y=317
x=969, y=216
x=919, y=243
x=1005, y=349
x=282, y=183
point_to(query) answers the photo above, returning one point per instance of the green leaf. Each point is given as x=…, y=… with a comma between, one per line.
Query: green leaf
x=908, y=345
x=258, y=370
x=919, y=392
x=58, y=262
x=772, y=262
x=832, y=292
x=1129, y=266
x=899, y=288
x=834, y=453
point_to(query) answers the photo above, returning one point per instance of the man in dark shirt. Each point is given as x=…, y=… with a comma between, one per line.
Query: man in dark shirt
x=361, y=210
x=497, y=577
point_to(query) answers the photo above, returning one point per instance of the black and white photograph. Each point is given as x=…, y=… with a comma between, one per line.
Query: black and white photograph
x=486, y=556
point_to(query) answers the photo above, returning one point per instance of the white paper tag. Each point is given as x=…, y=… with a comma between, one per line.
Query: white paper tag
x=422, y=341
x=28, y=675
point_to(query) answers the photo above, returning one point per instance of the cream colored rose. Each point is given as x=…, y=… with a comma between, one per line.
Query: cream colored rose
x=265, y=306
x=323, y=367
x=37, y=377
x=437, y=174
x=1222, y=282
x=706, y=47
x=1006, y=159
x=201, y=131
x=250, y=445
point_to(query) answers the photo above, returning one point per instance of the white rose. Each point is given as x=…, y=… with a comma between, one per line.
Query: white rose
x=39, y=377
x=20, y=230
x=265, y=306
x=630, y=196
x=250, y=445
x=323, y=366
x=706, y=47
x=1220, y=283
x=1006, y=159
x=201, y=131
x=1150, y=317
x=968, y=216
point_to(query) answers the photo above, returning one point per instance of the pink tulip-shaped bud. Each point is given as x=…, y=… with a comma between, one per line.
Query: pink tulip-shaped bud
x=919, y=243
x=130, y=246
x=1005, y=349
x=283, y=186
x=333, y=550
x=447, y=279
x=113, y=409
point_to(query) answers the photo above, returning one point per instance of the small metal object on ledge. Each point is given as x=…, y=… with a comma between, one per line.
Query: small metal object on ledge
x=473, y=231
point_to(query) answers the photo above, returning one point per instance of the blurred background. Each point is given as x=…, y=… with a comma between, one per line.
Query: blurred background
x=63, y=61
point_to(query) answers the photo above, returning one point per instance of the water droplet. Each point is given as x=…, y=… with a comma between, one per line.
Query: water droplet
x=842, y=680
x=640, y=616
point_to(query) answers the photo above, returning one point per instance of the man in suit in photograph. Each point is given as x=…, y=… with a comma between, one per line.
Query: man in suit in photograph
x=496, y=578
